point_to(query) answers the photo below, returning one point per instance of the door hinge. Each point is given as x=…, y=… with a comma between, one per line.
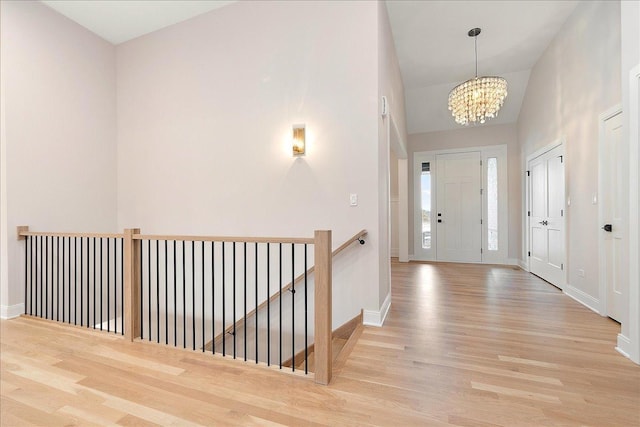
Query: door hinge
x=480, y=162
x=481, y=221
x=529, y=253
x=561, y=266
x=528, y=213
x=528, y=173
x=480, y=250
x=561, y=160
x=561, y=212
x=481, y=191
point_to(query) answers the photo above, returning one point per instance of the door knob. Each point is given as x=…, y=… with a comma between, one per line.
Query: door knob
x=608, y=228
x=545, y=222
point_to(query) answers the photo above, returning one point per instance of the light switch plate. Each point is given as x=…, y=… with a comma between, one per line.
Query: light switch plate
x=353, y=199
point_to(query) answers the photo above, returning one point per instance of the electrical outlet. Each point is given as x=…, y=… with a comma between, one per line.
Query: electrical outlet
x=580, y=273
x=353, y=199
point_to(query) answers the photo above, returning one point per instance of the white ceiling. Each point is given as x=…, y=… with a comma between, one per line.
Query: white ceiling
x=118, y=21
x=434, y=51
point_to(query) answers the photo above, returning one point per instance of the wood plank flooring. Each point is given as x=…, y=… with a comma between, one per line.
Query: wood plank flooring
x=463, y=345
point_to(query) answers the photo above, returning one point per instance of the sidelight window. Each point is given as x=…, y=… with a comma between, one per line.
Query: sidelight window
x=425, y=185
x=492, y=203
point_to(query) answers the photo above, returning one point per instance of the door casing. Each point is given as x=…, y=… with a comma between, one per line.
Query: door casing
x=527, y=240
x=488, y=257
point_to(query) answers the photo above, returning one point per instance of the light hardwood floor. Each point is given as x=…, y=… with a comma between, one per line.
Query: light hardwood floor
x=464, y=345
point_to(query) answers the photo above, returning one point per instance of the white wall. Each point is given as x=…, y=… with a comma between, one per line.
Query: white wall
x=390, y=85
x=394, y=203
x=630, y=58
x=476, y=136
x=58, y=132
x=205, y=110
x=576, y=79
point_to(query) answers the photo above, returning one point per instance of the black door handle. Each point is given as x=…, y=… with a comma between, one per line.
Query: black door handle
x=608, y=228
x=439, y=220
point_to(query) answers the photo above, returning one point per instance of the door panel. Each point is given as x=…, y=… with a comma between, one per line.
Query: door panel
x=459, y=207
x=614, y=201
x=546, y=221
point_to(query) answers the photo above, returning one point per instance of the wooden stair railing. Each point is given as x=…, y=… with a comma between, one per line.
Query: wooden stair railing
x=131, y=281
x=356, y=237
x=339, y=339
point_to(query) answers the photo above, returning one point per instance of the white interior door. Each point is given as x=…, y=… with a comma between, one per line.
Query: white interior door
x=459, y=207
x=614, y=234
x=546, y=216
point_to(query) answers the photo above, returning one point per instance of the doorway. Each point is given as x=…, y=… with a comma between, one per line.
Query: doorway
x=546, y=216
x=460, y=199
x=459, y=207
x=614, y=190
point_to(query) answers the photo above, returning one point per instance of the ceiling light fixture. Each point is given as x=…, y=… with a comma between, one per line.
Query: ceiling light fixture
x=479, y=98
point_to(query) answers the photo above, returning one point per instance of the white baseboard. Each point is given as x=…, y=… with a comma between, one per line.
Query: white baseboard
x=582, y=297
x=376, y=318
x=624, y=346
x=523, y=265
x=11, y=311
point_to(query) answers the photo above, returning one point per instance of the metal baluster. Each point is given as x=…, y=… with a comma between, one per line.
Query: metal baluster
x=81, y=282
x=213, y=300
x=40, y=264
x=122, y=286
x=63, y=276
x=224, y=303
x=33, y=242
x=141, y=290
x=94, y=282
x=293, y=307
x=306, y=345
x=280, y=300
x=75, y=280
x=256, y=297
x=26, y=274
x=193, y=294
x=101, y=274
x=245, y=301
x=166, y=294
x=46, y=277
x=234, y=300
x=175, y=299
x=149, y=284
x=268, y=305
x=57, y=299
x=108, y=288
x=158, y=291
x=69, y=278
x=184, y=300
x=203, y=296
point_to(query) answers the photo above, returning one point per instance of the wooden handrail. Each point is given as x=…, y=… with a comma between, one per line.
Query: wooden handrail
x=23, y=231
x=276, y=295
x=44, y=233
x=296, y=240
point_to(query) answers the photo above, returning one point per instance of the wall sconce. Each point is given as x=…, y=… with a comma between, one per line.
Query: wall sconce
x=298, y=140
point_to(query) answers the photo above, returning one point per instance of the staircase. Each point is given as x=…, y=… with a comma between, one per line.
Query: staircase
x=342, y=341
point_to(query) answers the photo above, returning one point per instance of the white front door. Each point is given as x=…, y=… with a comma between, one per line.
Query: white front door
x=614, y=204
x=546, y=216
x=459, y=207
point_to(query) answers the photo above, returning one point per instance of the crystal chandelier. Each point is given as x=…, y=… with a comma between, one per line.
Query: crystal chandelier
x=479, y=98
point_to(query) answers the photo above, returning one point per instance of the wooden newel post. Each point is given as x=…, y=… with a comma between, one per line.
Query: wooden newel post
x=323, y=313
x=131, y=284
